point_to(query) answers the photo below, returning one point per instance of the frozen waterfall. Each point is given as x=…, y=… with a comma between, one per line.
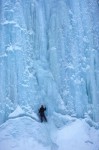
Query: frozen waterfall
x=49, y=53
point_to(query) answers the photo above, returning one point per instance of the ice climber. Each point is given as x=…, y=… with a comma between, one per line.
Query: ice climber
x=42, y=114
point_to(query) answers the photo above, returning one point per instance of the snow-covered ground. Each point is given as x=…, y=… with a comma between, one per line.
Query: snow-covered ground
x=23, y=132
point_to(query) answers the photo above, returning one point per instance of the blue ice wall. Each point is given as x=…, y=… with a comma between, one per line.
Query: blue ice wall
x=49, y=54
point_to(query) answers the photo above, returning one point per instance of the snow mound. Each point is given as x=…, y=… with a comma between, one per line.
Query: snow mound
x=19, y=112
x=78, y=136
x=25, y=133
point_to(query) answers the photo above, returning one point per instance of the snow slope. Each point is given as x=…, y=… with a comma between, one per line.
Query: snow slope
x=25, y=133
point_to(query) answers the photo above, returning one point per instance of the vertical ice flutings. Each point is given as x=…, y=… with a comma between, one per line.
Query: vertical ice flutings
x=49, y=53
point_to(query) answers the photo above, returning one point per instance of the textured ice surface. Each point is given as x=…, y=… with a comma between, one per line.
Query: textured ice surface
x=49, y=53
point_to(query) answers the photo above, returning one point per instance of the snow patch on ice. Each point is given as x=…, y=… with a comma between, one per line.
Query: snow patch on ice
x=11, y=48
x=3, y=55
